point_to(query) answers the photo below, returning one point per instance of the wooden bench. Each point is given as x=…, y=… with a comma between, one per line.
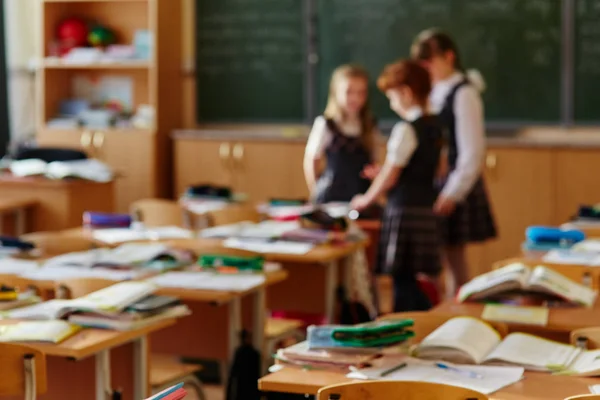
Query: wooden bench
x=167, y=370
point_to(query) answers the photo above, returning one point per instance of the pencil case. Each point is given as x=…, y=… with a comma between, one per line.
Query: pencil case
x=372, y=331
x=9, y=242
x=106, y=220
x=223, y=263
x=209, y=191
x=544, y=234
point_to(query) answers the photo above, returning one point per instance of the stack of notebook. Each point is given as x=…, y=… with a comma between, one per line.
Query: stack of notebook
x=337, y=347
x=124, y=306
x=176, y=392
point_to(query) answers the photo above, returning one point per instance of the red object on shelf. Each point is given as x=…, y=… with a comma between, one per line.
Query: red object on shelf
x=72, y=32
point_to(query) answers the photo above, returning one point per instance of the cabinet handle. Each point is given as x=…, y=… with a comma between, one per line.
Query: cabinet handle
x=491, y=161
x=238, y=152
x=224, y=153
x=98, y=139
x=86, y=139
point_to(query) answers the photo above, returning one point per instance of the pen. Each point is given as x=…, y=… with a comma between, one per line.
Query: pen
x=393, y=369
x=470, y=374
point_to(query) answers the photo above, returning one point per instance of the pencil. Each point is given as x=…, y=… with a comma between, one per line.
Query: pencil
x=393, y=369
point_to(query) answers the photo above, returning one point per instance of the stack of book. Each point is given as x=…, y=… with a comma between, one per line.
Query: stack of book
x=123, y=306
x=344, y=348
x=11, y=298
x=176, y=392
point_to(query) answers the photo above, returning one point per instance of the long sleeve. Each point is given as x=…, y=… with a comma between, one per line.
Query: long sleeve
x=470, y=142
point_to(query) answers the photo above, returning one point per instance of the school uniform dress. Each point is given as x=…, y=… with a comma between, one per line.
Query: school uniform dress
x=460, y=107
x=410, y=241
x=346, y=157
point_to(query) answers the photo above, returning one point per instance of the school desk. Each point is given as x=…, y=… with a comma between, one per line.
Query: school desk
x=535, y=386
x=17, y=207
x=212, y=330
x=61, y=203
x=561, y=321
x=84, y=365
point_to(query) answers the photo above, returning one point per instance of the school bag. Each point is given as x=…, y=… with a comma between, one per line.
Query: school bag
x=244, y=372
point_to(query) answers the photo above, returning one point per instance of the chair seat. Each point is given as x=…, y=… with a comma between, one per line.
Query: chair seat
x=279, y=327
x=166, y=369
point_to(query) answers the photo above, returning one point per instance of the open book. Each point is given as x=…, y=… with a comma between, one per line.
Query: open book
x=38, y=331
x=107, y=301
x=519, y=277
x=468, y=340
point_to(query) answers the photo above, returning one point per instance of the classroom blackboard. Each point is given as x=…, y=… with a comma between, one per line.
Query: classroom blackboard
x=587, y=61
x=515, y=44
x=250, y=60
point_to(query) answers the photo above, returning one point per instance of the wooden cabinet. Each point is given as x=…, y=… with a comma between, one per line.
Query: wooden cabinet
x=577, y=181
x=520, y=184
x=260, y=170
x=142, y=155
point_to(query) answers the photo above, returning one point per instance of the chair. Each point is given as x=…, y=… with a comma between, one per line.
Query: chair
x=394, y=390
x=165, y=371
x=161, y=212
x=55, y=243
x=78, y=287
x=585, y=397
x=232, y=214
x=50, y=154
x=426, y=322
x=23, y=371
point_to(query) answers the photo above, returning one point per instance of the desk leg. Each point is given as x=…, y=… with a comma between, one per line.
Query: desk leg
x=103, y=387
x=20, y=221
x=233, y=341
x=258, y=325
x=140, y=368
x=330, y=284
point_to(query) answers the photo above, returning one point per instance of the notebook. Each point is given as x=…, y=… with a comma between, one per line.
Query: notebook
x=176, y=392
x=209, y=281
x=400, y=368
x=518, y=276
x=468, y=340
x=38, y=331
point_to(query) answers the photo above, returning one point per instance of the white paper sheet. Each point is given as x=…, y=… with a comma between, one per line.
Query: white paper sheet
x=14, y=266
x=278, y=247
x=209, y=281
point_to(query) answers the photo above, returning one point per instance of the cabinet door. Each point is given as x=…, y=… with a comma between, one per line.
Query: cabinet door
x=520, y=188
x=576, y=181
x=131, y=155
x=269, y=170
x=201, y=161
x=72, y=139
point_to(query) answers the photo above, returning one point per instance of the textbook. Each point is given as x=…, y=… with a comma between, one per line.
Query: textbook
x=519, y=277
x=38, y=331
x=107, y=301
x=467, y=340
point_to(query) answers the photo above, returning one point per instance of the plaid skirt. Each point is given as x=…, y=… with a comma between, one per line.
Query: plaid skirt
x=410, y=242
x=472, y=221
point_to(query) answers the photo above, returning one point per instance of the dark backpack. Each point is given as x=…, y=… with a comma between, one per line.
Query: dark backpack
x=351, y=312
x=245, y=372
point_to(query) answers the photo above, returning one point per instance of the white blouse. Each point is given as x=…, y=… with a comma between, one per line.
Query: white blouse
x=320, y=136
x=403, y=140
x=470, y=134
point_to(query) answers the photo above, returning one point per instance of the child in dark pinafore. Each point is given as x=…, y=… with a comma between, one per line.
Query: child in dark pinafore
x=410, y=241
x=344, y=137
x=463, y=201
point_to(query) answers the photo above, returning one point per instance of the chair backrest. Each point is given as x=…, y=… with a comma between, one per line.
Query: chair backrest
x=161, y=212
x=576, y=272
x=55, y=243
x=427, y=322
x=233, y=214
x=395, y=390
x=78, y=287
x=50, y=154
x=23, y=371
x=585, y=397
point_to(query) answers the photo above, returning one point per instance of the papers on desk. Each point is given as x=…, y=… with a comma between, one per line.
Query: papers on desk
x=209, y=281
x=488, y=380
x=277, y=247
x=55, y=273
x=248, y=230
x=121, y=235
x=89, y=169
x=14, y=266
x=38, y=331
x=590, y=258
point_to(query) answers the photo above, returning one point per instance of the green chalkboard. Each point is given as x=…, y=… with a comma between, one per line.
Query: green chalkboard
x=249, y=63
x=515, y=44
x=586, y=96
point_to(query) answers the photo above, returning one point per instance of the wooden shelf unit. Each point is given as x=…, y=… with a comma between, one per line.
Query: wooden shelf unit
x=143, y=156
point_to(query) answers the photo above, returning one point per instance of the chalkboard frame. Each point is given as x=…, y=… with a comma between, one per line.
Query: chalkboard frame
x=567, y=83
